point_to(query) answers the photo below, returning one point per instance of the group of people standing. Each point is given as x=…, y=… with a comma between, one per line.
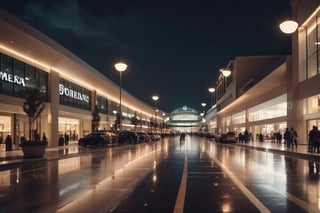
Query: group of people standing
x=314, y=143
x=245, y=137
x=291, y=137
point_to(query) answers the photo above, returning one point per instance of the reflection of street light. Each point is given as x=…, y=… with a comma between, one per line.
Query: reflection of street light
x=163, y=120
x=212, y=90
x=225, y=72
x=155, y=98
x=120, y=67
x=288, y=26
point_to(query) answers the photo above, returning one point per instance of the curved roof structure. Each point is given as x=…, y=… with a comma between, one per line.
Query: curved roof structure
x=184, y=110
x=184, y=117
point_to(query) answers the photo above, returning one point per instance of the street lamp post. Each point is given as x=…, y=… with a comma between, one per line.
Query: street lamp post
x=202, y=115
x=163, y=118
x=212, y=90
x=120, y=67
x=203, y=105
x=155, y=98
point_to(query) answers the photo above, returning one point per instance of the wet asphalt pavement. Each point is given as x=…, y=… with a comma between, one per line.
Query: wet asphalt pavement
x=197, y=175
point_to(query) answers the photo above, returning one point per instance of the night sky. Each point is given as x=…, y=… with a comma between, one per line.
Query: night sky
x=173, y=48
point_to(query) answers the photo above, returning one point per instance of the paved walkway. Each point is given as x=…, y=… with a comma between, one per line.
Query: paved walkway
x=57, y=152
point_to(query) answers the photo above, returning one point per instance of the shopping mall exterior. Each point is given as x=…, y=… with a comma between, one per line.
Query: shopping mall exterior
x=69, y=87
x=266, y=94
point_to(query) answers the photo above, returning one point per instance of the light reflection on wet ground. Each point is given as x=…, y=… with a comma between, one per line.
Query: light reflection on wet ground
x=276, y=180
x=102, y=177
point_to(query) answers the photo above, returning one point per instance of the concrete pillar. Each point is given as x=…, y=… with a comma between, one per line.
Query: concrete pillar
x=53, y=110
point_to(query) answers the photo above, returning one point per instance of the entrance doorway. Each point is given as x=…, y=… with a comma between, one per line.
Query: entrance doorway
x=70, y=127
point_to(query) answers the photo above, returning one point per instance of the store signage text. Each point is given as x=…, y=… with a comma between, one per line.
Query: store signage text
x=14, y=79
x=73, y=94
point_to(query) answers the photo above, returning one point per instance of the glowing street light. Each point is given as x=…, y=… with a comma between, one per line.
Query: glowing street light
x=120, y=67
x=203, y=105
x=212, y=90
x=155, y=98
x=225, y=72
x=288, y=26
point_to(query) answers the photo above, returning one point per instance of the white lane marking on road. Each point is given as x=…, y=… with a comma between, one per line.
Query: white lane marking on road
x=242, y=188
x=301, y=203
x=178, y=208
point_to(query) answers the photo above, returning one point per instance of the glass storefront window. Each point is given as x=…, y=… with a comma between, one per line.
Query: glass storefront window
x=213, y=124
x=311, y=123
x=312, y=66
x=228, y=120
x=70, y=127
x=19, y=71
x=273, y=108
x=239, y=118
x=16, y=76
x=6, y=70
x=5, y=126
x=312, y=104
x=30, y=77
x=114, y=107
x=310, y=44
x=102, y=104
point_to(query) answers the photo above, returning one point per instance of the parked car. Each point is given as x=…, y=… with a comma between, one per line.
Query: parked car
x=113, y=136
x=127, y=137
x=229, y=137
x=96, y=138
x=210, y=135
x=143, y=137
x=157, y=136
x=154, y=136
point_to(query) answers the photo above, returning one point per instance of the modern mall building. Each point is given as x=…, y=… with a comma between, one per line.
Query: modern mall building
x=69, y=87
x=266, y=94
x=184, y=119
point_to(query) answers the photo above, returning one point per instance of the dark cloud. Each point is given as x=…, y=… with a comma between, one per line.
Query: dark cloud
x=173, y=48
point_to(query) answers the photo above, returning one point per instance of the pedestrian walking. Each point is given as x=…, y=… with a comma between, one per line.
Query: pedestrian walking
x=182, y=137
x=294, y=137
x=287, y=137
x=240, y=137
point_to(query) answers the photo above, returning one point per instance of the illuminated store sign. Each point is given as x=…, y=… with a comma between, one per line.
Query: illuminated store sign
x=14, y=79
x=72, y=93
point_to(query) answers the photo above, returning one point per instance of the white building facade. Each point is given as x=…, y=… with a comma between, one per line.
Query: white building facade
x=69, y=87
x=266, y=94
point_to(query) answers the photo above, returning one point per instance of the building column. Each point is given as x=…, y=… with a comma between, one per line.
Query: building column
x=53, y=112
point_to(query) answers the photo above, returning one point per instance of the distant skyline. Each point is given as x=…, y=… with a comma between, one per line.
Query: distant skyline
x=173, y=49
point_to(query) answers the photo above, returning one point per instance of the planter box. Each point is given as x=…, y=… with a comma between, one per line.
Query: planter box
x=34, y=151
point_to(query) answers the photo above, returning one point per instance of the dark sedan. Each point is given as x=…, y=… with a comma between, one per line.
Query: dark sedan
x=128, y=137
x=95, y=139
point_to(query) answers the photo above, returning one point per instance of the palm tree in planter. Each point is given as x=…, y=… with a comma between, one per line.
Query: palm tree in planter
x=33, y=106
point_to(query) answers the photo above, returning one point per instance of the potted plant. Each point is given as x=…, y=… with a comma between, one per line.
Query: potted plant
x=35, y=146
